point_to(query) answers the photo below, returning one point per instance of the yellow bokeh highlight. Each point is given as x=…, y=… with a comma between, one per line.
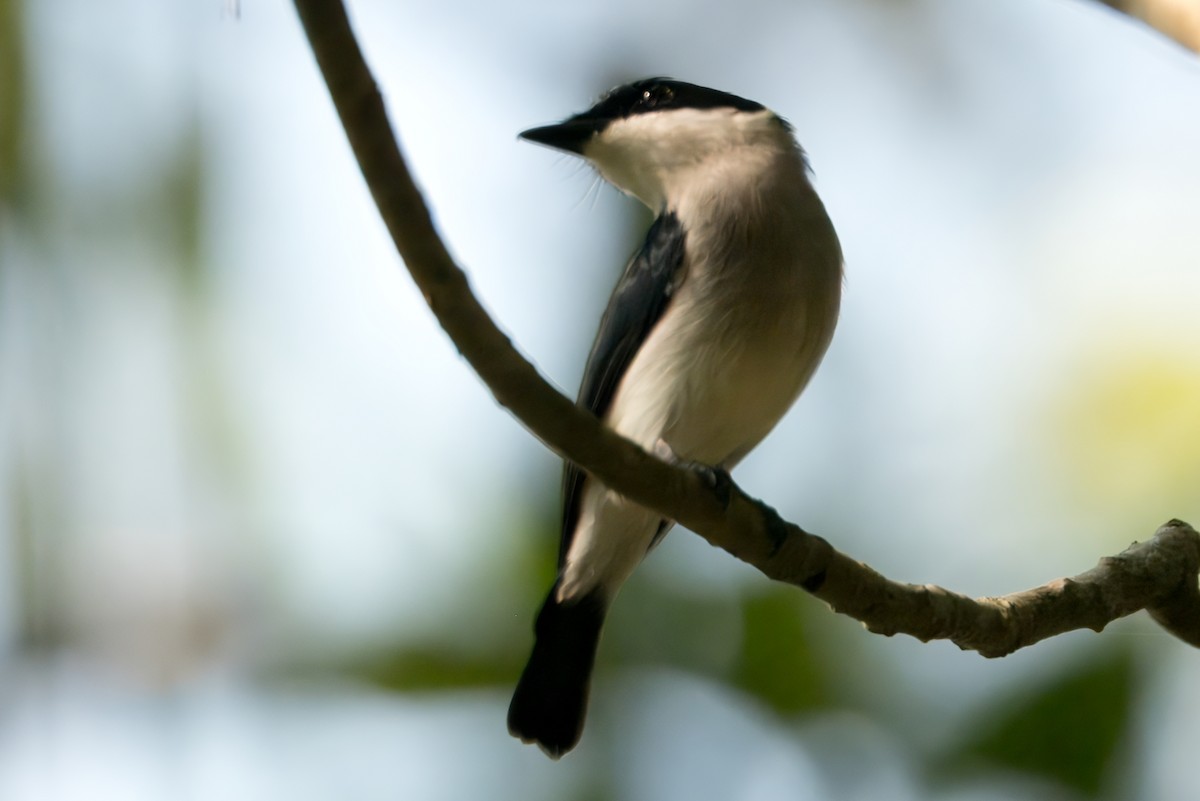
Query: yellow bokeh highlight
x=1129, y=431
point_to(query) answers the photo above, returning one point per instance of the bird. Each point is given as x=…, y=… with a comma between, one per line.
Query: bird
x=714, y=328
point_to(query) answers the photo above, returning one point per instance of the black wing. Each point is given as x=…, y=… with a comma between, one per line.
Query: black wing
x=636, y=306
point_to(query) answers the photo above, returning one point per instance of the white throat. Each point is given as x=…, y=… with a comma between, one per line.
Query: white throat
x=661, y=156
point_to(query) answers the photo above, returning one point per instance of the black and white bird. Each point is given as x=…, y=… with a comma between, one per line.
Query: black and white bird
x=716, y=325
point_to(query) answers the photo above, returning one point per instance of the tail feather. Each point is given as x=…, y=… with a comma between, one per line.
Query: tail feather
x=550, y=701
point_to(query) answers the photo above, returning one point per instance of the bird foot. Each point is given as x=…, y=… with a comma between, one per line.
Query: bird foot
x=717, y=477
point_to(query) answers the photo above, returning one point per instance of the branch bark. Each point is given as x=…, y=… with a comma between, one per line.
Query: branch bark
x=1178, y=19
x=1159, y=575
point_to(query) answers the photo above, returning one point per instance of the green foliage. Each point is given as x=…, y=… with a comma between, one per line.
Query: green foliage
x=415, y=668
x=183, y=190
x=1069, y=731
x=778, y=662
x=654, y=624
x=12, y=100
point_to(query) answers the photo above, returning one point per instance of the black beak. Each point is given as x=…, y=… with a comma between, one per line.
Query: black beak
x=570, y=136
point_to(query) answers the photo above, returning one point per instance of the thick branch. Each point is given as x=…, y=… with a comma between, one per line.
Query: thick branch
x=1160, y=575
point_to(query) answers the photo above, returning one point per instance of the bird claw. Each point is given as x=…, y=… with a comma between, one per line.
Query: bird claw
x=665, y=452
x=717, y=478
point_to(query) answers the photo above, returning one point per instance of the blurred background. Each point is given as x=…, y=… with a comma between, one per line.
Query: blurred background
x=263, y=535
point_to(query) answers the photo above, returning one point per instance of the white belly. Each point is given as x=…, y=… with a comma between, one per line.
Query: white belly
x=710, y=398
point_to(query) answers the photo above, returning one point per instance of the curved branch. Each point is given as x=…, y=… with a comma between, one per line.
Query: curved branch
x=1160, y=575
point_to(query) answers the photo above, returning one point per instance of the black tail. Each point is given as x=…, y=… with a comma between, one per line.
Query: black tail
x=550, y=702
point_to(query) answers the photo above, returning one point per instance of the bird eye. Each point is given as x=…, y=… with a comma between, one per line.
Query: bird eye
x=656, y=96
